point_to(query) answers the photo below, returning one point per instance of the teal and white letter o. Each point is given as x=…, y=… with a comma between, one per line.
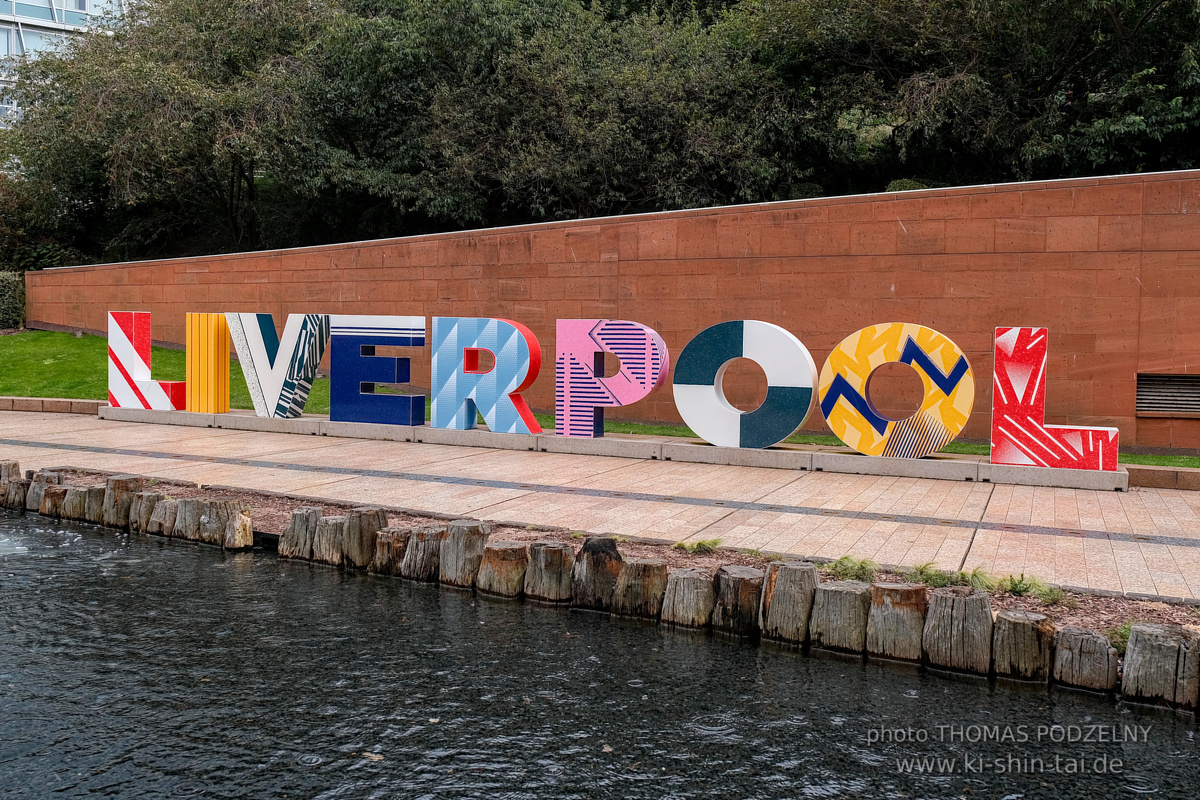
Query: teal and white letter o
x=791, y=383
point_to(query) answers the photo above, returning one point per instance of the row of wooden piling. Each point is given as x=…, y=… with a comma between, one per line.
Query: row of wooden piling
x=122, y=502
x=951, y=628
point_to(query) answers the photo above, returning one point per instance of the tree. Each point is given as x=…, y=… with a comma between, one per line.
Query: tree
x=152, y=135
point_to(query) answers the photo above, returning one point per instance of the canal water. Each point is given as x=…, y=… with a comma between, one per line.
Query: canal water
x=142, y=667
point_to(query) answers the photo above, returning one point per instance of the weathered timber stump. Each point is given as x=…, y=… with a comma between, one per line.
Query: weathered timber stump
x=640, y=587
x=788, y=593
x=1162, y=665
x=390, y=544
x=548, y=576
x=74, y=507
x=594, y=576
x=327, y=541
x=1023, y=645
x=118, y=494
x=15, y=493
x=188, y=519
x=37, y=487
x=462, y=552
x=736, y=593
x=162, y=519
x=141, y=508
x=502, y=569
x=52, y=501
x=297, y=538
x=958, y=630
x=240, y=533
x=1084, y=659
x=358, y=538
x=422, y=554
x=220, y=514
x=689, y=599
x=896, y=621
x=95, y=504
x=10, y=471
x=839, y=616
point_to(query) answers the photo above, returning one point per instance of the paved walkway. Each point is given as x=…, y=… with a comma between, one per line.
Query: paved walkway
x=1145, y=540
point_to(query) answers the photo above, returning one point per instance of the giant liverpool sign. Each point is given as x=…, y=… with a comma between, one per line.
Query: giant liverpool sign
x=279, y=372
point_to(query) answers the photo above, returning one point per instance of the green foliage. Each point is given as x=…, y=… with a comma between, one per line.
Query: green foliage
x=1118, y=637
x=702, y=547
x=847, y=568
x=1018, y=587
x=12, y=300
x=905, y=185
x=933, y=577
x=192, y=126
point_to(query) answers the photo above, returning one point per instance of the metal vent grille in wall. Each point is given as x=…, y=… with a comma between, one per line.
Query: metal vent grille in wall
x=1168, y=395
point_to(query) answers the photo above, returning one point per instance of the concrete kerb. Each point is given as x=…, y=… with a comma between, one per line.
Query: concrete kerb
x=956, y=468
x=932, y=467
x=1094, y=480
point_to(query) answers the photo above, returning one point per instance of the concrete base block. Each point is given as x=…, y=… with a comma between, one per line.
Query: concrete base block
x=158, y=417
x=738, y=456
x=249, y=422
x=475, y=438
x=1095, y=480
x=604, y=446
x=933, y=467
x=369, y=430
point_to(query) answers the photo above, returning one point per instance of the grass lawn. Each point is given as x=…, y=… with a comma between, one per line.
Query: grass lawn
x=50, y=364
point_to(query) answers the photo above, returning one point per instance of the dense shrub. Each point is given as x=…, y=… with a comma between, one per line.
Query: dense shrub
x=12, y=299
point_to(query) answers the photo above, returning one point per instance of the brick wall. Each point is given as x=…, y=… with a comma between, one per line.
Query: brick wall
x=1109, y=265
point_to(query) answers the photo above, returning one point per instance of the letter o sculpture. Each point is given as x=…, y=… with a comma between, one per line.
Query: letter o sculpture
x=945, y=373
x=791, y=377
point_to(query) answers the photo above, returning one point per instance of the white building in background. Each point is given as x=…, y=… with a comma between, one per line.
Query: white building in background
x=29, y=26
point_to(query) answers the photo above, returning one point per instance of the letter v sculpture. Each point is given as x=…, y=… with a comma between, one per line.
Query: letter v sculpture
x=279, y=371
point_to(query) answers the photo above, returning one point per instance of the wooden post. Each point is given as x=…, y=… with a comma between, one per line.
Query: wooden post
x=594, y=576
x=737, y=591
x=188, y=515
x=422, y=555
x=1023, y=645
x=1162, y=665
x=52, y=500
x=640, y=587
x=327, y=541
x=788, y=593
x=297, y=538
x=896, y=621
x=358, y=537
x=10, y=471
x=95, y=504
x=689, y=599
x=462, y=552
x=390, y=544
x=502, y=569
x=839, y=616
x=75, y=504
x=118, y=494
x=216, y=518
x=162, y=521
x=37, y=487
x=14, y=496
x=958, y=630
x=1084, y=659
x=548, y=576
x=141, y=508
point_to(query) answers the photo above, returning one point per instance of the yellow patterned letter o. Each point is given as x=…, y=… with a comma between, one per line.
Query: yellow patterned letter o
x=945, y=373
